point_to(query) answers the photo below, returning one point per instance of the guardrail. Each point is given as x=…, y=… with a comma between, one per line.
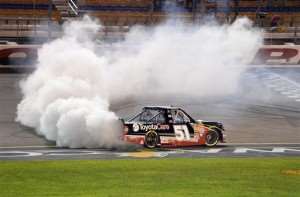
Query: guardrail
x=281, y=32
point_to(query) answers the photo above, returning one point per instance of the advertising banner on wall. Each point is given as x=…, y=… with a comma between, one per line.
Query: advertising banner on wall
x=267, y=55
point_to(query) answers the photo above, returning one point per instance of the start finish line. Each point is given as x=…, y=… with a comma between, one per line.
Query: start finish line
x=107, y=154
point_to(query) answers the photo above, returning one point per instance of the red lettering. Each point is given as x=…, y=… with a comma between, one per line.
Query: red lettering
x=267, y=55
x=30, y=52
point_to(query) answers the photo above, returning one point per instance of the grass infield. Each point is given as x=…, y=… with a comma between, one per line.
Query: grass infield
x=152, y=177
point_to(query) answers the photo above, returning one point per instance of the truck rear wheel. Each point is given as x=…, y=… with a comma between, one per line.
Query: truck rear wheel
x=212, y=138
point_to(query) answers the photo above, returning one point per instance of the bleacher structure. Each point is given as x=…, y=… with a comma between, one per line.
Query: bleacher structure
x=42, y=18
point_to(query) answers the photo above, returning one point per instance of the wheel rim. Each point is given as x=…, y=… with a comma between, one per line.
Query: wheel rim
x=151, y=139
x=212, y=138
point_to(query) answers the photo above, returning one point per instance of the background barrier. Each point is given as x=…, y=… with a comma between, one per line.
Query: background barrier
x=266, y=55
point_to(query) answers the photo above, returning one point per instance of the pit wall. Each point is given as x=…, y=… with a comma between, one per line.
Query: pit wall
x=266, y=55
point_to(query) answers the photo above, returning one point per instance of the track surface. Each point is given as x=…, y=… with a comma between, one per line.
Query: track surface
x=266, y=110
x=38, y=153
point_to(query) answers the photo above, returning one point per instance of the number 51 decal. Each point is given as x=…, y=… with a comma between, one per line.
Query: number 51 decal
x=181, y=132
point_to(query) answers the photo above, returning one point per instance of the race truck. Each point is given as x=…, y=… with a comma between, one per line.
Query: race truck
x=167, y=126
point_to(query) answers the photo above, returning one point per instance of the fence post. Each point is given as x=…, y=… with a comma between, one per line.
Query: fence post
x=50, y=9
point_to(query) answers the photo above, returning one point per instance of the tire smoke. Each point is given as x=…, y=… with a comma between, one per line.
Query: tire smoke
x=67, y=98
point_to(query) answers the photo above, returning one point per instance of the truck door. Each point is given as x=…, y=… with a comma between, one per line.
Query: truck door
x=182, y=126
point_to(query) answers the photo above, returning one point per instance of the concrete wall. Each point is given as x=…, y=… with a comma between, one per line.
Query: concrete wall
x=267, y=55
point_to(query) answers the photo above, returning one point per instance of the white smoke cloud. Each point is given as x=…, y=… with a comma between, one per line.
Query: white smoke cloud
x=67, y=99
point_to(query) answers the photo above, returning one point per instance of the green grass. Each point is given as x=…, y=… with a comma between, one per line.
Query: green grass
x=151, y=177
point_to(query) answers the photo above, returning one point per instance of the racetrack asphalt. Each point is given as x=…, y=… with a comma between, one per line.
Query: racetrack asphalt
x=260, y=113
x=237, y=150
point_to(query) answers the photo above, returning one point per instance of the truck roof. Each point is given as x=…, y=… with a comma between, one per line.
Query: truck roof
x=160, y=107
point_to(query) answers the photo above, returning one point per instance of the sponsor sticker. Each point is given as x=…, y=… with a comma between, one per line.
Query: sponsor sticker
x=135, y=127
x=153, y=127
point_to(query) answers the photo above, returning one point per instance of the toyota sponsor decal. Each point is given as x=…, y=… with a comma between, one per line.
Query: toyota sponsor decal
x=147, y=127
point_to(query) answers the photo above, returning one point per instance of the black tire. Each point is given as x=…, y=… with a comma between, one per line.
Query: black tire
x=151, y=139
x=212, y=138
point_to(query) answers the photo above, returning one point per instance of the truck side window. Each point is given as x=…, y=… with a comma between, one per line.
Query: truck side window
x=179, y=117
x=161, y=118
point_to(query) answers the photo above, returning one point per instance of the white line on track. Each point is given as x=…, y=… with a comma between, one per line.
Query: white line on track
x=283, y=85
x=276, y=66
x=12, y=147
x=263, y=143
